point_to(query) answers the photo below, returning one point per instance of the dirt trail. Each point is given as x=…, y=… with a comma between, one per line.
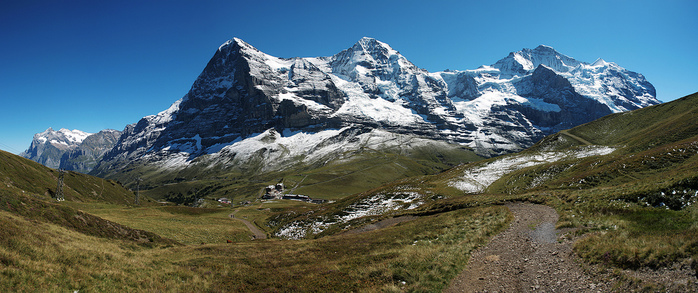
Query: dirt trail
x=526, y=257
x=584, y=141
x=258, y=234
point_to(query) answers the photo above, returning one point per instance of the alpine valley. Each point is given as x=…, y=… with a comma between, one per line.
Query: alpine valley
x=536, y=173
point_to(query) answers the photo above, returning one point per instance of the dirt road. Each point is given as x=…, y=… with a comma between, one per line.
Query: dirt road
x=526, y=257
x=579, y=139
x=258, y=234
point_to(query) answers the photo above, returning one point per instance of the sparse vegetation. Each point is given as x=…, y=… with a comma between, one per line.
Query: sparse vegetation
x=421, y=255
x=76, y=254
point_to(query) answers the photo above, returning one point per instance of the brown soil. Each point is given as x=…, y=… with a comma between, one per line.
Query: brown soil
x=530, y=257
x=526, y=257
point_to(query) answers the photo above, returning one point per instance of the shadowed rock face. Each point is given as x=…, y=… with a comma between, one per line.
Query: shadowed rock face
x=86, y=156
x=546, y=85
x=494, y=109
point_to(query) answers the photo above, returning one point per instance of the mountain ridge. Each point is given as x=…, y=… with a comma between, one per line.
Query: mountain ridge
x=74, y=150
x=243, y=92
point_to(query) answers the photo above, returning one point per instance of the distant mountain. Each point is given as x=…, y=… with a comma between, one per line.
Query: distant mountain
x=70, y=149
x=245, y=100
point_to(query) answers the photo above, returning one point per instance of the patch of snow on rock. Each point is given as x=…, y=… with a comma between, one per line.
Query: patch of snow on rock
x=374, y=205
x=480, y=176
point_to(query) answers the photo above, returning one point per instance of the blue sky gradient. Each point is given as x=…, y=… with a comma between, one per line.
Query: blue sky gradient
x=92, y=65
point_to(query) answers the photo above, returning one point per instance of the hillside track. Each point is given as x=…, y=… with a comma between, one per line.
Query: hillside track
x=258, y=234
x=526, y=257
x=577, y=138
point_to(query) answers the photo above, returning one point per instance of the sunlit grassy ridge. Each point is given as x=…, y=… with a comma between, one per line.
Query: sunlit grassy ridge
x=18, y=174
x=67, y=217
x=640, y=129
x=332, y=179
x=650, y=167
x=28, y=188
x=638, y=203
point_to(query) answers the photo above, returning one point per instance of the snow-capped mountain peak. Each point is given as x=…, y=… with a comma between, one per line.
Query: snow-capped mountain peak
x=599, y=62
x=372, y=46
x=496, y=109
x=369, y=54
x=63, y=137
x=543, y=47
x=70, y=149
x=74, y=136
x=236, y=44
x=522, y=62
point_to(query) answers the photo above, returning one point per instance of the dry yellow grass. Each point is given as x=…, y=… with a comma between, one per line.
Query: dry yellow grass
x=421, y=255
x=185, y=225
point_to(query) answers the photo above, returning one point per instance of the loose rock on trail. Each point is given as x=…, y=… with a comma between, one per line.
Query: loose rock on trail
x=526, y=257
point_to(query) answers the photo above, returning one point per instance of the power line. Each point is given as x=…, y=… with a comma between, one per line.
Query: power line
x=7, y=147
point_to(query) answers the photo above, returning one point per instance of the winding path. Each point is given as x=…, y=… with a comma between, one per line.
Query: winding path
x=258, y=234
x=526, y=257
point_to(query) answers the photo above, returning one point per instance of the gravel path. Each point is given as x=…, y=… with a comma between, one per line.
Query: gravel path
x=527, y=257
x=258, y=234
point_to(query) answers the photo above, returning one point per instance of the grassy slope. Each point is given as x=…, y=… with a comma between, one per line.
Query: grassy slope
x=422, y=255
x=28, y=186
x=185, y=225
x=656, y=152
x=641, y=129
x=331, y=180
x=56, y=246
x=18, y=174
x=640, y=200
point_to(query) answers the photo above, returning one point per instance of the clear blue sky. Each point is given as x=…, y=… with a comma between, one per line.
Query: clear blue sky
x=92, y=65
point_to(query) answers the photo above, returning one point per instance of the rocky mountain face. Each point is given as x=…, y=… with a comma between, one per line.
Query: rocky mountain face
x=370, y=88
x=71, y=149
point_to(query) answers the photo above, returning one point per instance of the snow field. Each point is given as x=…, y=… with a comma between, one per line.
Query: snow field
x=378, y=204
x=477, y=178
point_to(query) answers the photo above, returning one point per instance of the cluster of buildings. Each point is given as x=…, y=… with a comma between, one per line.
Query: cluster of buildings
x=277, y=192
x=227, y=201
